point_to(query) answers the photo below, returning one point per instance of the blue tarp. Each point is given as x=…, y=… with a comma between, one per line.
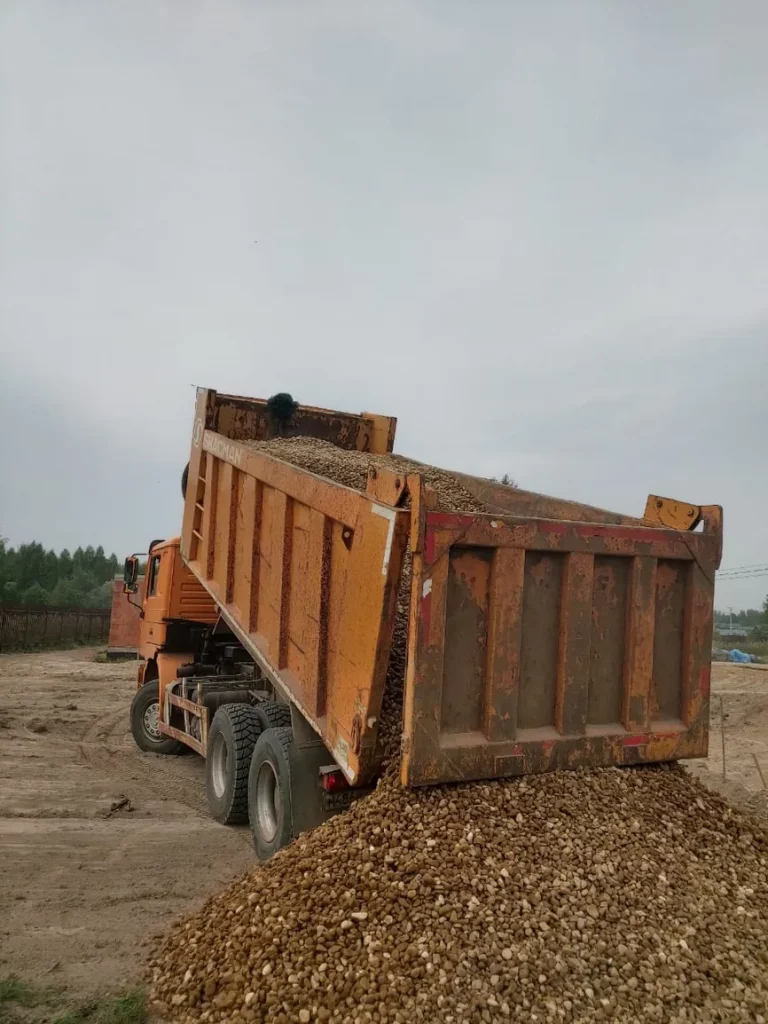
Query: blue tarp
x=739, y=656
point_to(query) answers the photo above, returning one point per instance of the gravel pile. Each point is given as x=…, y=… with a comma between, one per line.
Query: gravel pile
x=351, y=468
x=615, y=894
x=605, y=895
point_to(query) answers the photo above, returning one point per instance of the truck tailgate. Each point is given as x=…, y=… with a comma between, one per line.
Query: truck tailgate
x=537, y=644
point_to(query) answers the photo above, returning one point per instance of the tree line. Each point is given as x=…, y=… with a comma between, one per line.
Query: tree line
x=31, y=575
x=744, y=617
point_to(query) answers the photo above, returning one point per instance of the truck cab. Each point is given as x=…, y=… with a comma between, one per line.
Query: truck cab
x=175, y=611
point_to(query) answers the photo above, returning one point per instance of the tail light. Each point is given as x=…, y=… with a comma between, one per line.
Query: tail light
x=332, y=779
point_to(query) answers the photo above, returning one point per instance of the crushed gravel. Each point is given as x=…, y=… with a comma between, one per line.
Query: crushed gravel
x=351, y=468
x=613, y=894
x=604, y=895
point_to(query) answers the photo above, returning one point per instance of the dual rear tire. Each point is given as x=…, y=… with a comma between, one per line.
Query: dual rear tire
x=269, y=792
x=247, y=772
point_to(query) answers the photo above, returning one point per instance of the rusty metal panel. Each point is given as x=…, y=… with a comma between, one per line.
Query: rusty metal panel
x=542, y=587
x=639, y=645
x=574, y=644
x=248, y=419
x=270, y=578
x=308, y=605
x=609, y=629
x=299, y=589
x=697, y=655
x=368, y=596
x=666, y=686
x=577, y=643
x=315, y=612
x=505, y=621
x=246, y=518
x=466, y=632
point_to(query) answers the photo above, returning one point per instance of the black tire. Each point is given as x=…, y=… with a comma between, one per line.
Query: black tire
x=269, y=792
x=184, y=479
x=144, y=709
x=231, y=739
x=273, y=715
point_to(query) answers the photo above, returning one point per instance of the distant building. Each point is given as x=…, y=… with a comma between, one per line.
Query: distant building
x=734, y=632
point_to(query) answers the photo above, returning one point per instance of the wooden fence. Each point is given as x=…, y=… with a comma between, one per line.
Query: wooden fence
x=23, y=627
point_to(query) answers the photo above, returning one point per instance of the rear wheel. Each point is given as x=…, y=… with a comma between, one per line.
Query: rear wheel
x=273, y=715
x=145, y=719
x=231, y=739
x=269, y=792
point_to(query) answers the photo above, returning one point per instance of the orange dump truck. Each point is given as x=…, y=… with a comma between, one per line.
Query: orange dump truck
x=542, y=634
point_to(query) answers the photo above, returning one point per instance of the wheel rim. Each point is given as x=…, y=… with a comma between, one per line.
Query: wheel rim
x=152, y=720
x=219, y=756
x=269, y=804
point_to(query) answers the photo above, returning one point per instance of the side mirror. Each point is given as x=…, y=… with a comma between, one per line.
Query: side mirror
x=131, y=574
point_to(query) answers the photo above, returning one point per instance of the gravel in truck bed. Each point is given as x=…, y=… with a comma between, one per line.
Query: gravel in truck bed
x=604, y=895
x=351, y=468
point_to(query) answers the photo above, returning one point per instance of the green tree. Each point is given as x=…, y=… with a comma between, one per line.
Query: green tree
x=89, y=559
x=65, y=564
x=31, y=574
x=78, y=559
x=100, y=569
x=100, y=596
x=65, y=594
x=51, y=573
x=75, y=590
x=30, y=565
x=36, y=594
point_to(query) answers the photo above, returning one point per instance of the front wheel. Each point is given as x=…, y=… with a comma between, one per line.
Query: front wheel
x=145, y=719
x=269, y=792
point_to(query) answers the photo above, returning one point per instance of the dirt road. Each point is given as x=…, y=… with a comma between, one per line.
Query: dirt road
x=84, y=887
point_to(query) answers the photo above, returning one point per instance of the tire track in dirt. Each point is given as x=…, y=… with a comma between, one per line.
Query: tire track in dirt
x=108, y=746
x=84, y=887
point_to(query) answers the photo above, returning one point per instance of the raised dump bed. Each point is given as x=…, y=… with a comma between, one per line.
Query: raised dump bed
x=541, y=633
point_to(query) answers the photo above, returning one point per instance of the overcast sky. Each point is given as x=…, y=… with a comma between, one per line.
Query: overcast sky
x=537, y=233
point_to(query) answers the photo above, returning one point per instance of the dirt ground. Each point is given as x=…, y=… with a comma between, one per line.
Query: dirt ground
x=744, y=693
x=85, y=887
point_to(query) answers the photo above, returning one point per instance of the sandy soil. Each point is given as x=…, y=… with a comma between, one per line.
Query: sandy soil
x=744, y=693
x=84, y=888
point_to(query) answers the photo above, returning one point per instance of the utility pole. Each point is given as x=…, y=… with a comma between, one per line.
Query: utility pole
x=730, y=609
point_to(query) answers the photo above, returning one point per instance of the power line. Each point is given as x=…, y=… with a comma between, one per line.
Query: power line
x=738, y=579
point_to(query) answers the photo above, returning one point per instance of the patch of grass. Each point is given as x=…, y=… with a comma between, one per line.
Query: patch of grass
x=19, y=993
x=130, y=1008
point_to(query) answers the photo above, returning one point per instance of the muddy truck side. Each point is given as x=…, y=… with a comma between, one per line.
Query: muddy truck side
x=330, y=608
